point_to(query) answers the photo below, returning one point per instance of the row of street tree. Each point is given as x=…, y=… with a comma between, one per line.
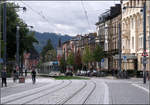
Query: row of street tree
x=27, y=38
x=76, y=61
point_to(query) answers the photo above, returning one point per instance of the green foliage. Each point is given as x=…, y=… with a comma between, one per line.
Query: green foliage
x=87, y=55
x=70, y=59
x=98, y=54
x=45, y=49
x=26, y=39
x=51, y=55
x=63, y=64
x=78, y=61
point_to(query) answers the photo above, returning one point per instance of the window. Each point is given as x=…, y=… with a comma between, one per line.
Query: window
x=140, y=42
x=131, y=3
x=133, y=42
x=138, y=2
x=132, y=23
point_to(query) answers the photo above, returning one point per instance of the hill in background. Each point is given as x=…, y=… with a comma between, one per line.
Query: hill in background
x=43, y=37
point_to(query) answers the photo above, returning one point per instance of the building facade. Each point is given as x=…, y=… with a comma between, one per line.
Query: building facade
x=132, y=33
x=107, y=30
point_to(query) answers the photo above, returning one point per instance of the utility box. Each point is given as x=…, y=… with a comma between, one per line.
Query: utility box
x=21, y=79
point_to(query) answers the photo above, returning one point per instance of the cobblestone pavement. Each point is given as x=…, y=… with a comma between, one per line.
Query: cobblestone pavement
x=93, y=91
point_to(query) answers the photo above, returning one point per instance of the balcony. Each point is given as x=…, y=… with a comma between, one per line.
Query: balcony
x=125, y=50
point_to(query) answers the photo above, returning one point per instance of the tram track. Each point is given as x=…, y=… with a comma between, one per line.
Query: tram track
x=53, y=91
x=90, y=93
x=44, y=89
x=64, y=101
x=67, y=99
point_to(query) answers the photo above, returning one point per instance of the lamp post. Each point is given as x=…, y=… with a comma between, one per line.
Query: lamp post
x=149, y=44
x=4, y=32
x=4, y=28
x=17, y=48
x=0, y=32
x=144, y=39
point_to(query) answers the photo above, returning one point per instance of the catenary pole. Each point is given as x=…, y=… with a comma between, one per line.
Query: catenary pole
x=4, y=33
x=144, y=43
x=120, y=60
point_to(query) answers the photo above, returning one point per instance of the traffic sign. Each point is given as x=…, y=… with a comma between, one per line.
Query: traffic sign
x=102, y=60
x=125, y=58
x=144, y=53
x=1, y=60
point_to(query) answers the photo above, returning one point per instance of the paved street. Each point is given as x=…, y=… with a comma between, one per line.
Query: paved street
x=93, y=91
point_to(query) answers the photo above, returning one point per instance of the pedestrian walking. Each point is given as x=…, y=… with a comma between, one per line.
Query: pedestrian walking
x=4, y=77
x=25, y=72
x=33, y=75
x=14, y=75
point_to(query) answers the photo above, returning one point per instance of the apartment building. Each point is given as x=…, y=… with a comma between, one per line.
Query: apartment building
x=107, y=30
x=78, y=44
x=132, y=33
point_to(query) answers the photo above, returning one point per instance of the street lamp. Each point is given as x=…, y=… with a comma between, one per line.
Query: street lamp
x=17, y=47
x=5, y=27
x=144, y=38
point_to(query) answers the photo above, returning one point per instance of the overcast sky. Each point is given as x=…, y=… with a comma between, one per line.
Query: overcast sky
x=65, y=17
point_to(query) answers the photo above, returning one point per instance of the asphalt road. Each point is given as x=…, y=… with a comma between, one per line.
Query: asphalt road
x=93, y=91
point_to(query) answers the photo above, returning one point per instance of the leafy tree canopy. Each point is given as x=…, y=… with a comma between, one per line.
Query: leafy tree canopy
x=26, y=38
x=51, y=55
x=46, y=48
x=98, y=53
x=70, y=59
x=87, y=55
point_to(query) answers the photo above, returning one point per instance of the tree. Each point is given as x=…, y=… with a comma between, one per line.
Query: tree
x=70, y=59
x=78, y=61
x=27, y=39
x=51, y=55
x=87, y=56
x=98, y=53
x=62, y=64
x=12, y=21
x=45, y=49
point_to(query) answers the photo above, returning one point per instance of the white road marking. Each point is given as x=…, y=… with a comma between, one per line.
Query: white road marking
x=141, y=87
x=106, y=94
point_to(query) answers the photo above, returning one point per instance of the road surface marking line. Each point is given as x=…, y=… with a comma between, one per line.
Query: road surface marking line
x=106, y=94
x=141, y=87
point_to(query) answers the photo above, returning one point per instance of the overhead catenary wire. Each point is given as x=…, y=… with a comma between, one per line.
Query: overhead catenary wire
x=41, y=15
x=86, y=15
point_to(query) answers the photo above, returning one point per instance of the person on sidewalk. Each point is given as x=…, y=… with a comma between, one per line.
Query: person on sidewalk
x=15, y=76
x=4, y=77
x=33, y=75
x=25, y=72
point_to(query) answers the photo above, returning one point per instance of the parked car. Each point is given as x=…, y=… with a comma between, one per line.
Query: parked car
x=83, y=73
x=89, y=73
x=78, y=73
x=94, y=73
x=68, y=73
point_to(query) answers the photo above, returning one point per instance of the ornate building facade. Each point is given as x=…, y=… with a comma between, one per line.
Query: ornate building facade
x=132, y=33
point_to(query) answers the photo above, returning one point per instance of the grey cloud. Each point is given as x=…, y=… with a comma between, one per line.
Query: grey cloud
x=65, y=17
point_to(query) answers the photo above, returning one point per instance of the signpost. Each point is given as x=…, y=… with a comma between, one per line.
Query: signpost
x=1, y=60
x=125, y=61
x=102, y=60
